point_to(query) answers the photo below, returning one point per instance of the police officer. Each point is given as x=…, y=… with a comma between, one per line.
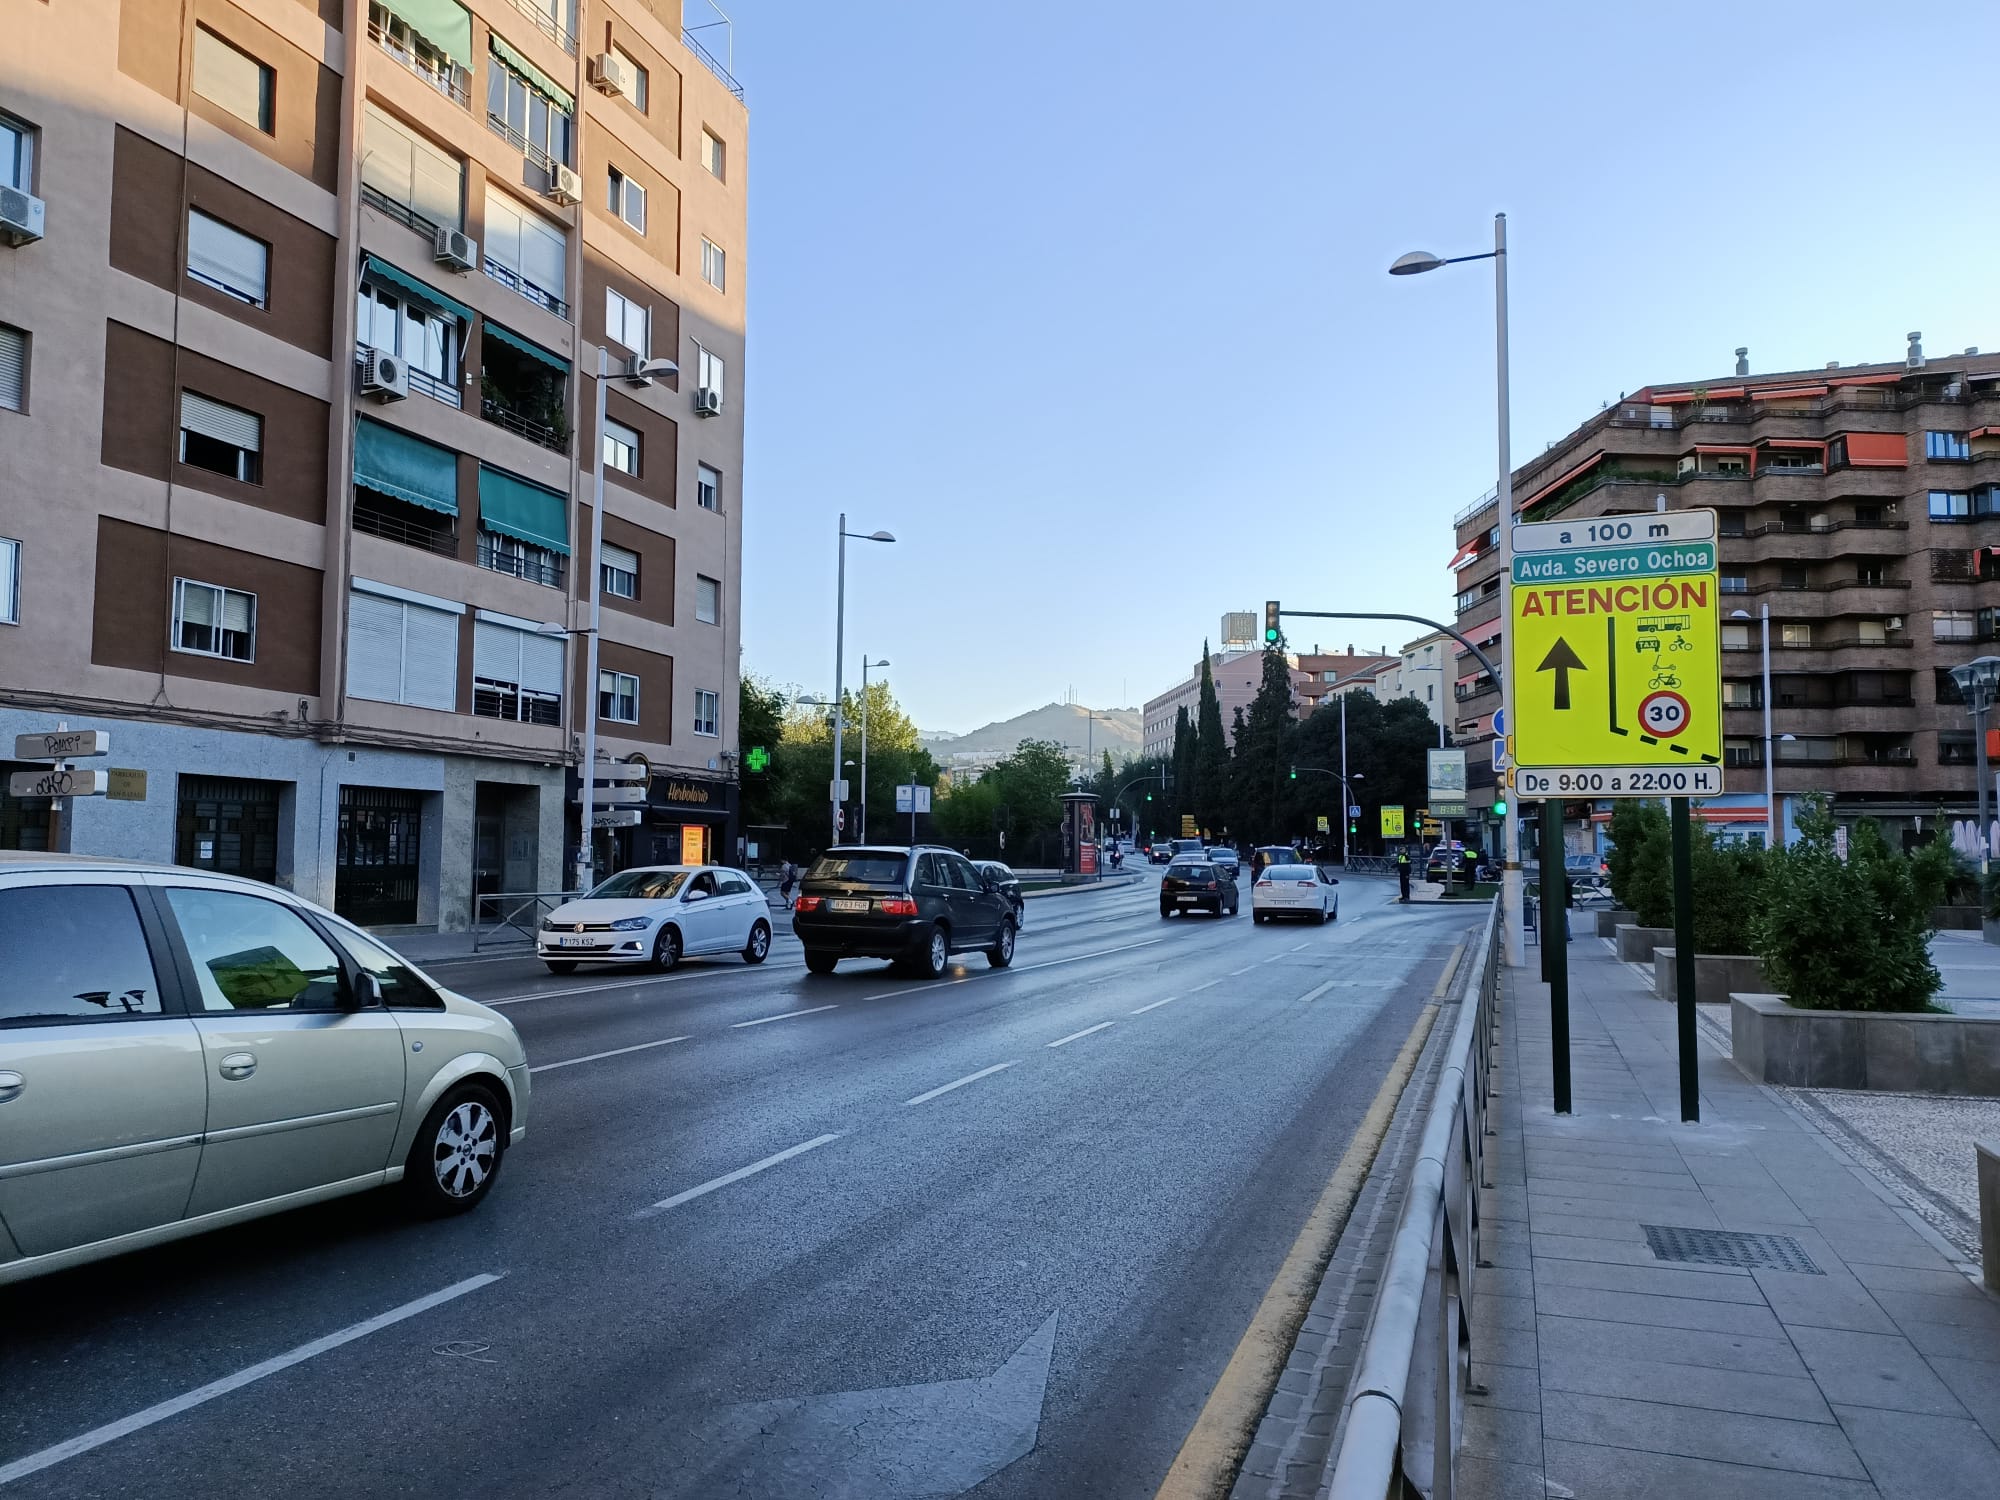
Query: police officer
x=1403, y=870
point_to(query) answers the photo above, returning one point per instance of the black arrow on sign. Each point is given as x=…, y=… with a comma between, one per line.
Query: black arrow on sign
x=1561, y=660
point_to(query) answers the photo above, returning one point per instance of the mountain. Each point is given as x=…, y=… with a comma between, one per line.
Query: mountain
x=1116, y=729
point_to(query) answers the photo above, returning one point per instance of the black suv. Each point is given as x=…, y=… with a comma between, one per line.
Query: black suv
x=916, y=905
x=1197, y=885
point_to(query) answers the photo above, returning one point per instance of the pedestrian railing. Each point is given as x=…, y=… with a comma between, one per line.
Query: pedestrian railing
x=511, y=916
x=1406, y=1405
x=1371, y=864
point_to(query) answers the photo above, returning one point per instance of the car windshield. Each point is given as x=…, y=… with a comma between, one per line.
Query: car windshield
x=1291, y=872
x=873, y=867
x=1187, y=869
x=641, y=885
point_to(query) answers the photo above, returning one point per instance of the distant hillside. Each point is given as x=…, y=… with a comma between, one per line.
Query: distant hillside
x=1117, y=730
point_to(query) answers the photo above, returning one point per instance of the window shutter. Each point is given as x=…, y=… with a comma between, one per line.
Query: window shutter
x=503, y=232
x=197, y=603
x=541, y=663
x=496, y=651
x=219, y=253
x=623, y=560
x=437, y=184
x=13, y=369
x=238, y=610
x=387, y=157
x=430, y=657
x=226, y=424
x=544, y=254
x=374, y=647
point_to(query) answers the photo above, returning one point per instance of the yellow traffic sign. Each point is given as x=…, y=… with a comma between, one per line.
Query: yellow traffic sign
x=1392, y=821
x=1618, y=656
x=1324, y=825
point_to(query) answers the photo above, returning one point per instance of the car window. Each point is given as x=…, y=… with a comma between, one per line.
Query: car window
x=1184, y=869
x=872, y=869
x=253, y=954
x=641, y=885
x=962, y=873
x=72, y=951
x=731, y=884
x=928, y=872
x=704, y=885
x=1290, y=872
x=403, y=988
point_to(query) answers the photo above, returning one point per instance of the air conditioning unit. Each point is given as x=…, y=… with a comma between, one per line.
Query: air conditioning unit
x=455, y=248
x=1954, y=391
x=1895, y=622
x=635, y=370
x=385, y=377
x=611, y=74
x=565, y=186
x=707, y=403
x=20, y=216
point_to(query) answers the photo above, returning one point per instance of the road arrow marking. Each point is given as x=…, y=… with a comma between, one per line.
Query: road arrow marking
x=1562, y=660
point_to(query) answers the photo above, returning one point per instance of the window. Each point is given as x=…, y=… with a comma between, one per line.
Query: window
x=17, y=154
x=402, y=651
x=253, y=954
x=1737, y=693
x=1796, y=634
x=212, y=621
x=232, y=80
x=1955, y=749
x=516, y=674
x=10, y=581
x=707, y=600
x=1950, y=505
x=529, y=113
x=221, y=439
x=13, y=369
x=627, y=200
x=1951, y=625
x=1946, y=445
x=1836, y=453
x=524, y=251
x=1871, y=632
x=627, y=322
x=708, y=371
x=641, y=91
x=228, y=259
x=618, y=697
x=707, y=712
x=402, y=988
x=714, y=156
x=405, y=175
x=429, y=342
x=707, y=487
x=1736, y=638
x=73, y=952
x=621, y=447
x=714, y=265
x=618, y=572
x=1735, y=583
x=1946, y=686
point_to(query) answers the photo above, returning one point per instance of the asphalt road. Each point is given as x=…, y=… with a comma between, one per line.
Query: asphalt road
x=773, y=1235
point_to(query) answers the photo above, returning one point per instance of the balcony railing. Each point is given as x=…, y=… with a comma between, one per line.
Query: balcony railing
x=541, y=296
x=535, y=154
x=443, y=391
x=374, y=521
x=502, y=415
x=707, y=57
x=454, y=82
x=506, y=700
x=402, y=213
x=537, y=566
x=547, y=25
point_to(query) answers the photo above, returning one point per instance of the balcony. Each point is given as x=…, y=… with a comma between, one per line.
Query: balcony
x=708, y=60
x=445, y=392
x=548, y=25
x=522, y=394
x=402, y=213
x=506, y=700
x=410, y=525
x=518, y=560
x=542, y=297
x=419, y=58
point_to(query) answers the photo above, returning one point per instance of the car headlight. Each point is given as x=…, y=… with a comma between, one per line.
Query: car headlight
x=631, y=924
x=548, y=924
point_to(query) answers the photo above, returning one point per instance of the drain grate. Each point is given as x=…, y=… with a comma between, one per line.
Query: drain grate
x=1728, y=1247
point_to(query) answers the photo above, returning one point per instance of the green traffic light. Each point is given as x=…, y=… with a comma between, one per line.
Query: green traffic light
x=1295, y=773
x=1500, y=807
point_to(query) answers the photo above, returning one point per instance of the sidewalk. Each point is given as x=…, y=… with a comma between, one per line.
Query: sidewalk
x=1828, y=1344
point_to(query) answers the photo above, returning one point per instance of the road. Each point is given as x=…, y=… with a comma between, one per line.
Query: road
x=775, y=1235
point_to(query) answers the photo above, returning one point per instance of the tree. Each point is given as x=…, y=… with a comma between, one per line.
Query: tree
x=1387, y=745
x=760, y=719
x=1020, y=796
x=1210, y=792
x=1180, y=790
x=1260, y=768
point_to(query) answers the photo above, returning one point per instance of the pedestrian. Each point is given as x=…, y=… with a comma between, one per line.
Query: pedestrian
x=788, y=874
x=1403, y=871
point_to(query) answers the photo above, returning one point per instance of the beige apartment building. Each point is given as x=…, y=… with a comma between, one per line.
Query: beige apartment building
x=302, y=304
x=1237, y=673
x=1420, y=671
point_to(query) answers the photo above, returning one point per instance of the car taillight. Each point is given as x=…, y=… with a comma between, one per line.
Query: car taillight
x=809, y=903
x=1263, y=880
x=1307, y=884
x=898, y=906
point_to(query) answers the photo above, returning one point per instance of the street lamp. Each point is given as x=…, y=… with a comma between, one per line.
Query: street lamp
x=865, y=665
x=1770, y=781
x=1976, y=683
x=644, y=372
x=840, y=650
x=1413, y=264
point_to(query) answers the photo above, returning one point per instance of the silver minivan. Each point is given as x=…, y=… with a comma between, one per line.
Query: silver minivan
x=181, y=1051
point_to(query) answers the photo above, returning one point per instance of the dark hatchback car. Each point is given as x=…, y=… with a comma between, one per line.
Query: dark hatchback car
x=1008, y=883
x=916, y=905
x=1197, y=885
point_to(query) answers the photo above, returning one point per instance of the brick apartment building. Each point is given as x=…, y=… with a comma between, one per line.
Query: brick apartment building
x=298, y=435
x=1236, y=674
x=1861, y=506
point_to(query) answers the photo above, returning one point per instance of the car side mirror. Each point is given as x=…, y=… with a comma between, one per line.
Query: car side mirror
x=364, y=992
x=1332, y=880
x=693, y=896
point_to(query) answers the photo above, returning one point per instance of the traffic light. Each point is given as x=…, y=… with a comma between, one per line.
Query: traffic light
x=1499, y=806
x=1295, y=773
x=1149, y=796
x=1270, y=622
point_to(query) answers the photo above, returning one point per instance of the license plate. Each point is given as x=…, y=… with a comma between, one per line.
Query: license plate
x=578, y=942
x=847, y=903
x=1188, y=900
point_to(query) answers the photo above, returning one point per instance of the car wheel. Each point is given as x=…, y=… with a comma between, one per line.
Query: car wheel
x=1165, y=912
x=560, y=965
x=1322, y=916
x=1257, y=916
x=667, y=948
x=457, y=1152
x=759, y=947
x=820, y=963
x=1001, y=953
x=937, y=957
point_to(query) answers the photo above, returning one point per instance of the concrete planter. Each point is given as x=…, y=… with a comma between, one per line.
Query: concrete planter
x=1888, y=1052
x=1608, y=921
x=1716, y=976
x=1955, y=918
x=1636, y=944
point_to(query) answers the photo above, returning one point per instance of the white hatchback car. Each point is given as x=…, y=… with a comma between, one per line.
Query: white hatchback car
x=180, y=1051
x=658, y=915
x=1294, y=891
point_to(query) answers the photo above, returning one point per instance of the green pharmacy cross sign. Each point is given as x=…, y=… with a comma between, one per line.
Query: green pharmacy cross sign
x=757, y=758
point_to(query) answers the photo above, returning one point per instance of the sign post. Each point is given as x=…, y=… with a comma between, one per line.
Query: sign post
x=1615, y=628
x=60, y=783
x=914, y=799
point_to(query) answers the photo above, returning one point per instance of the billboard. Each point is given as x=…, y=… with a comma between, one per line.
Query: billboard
x=1445, y=783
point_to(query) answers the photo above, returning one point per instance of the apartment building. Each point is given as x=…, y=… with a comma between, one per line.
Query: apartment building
x=1859, y=506
x=1237, y=674
x=1419, y=671
x=299, y=440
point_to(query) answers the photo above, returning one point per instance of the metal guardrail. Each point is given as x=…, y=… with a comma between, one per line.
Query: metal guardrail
x=1371, y=864
x=1406, y=1406
x=515, y=912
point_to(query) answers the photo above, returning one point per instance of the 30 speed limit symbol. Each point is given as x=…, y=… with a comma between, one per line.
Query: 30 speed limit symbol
x=1663, y=715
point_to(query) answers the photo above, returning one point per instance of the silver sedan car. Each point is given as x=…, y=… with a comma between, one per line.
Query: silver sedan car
x=181, y=1051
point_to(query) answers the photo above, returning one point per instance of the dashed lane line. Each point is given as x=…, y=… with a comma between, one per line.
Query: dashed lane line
x=737, y=1176
x=959, y=1083
x=783, y=1015
x=570, y=1062
x=1154, y=1006
x=1078, y=1035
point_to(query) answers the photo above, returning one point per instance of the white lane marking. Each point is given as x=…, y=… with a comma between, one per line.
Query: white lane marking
x=1074, y=1035
x=1244, y=970
x=570, y=1062
x=1275, y=957
x=1316, y=991
x=783, y=1015
x=1298, y=947
x=97, y=1437
x=737, y=1176
x=1047, y=963
x=1208, y=986
x=591, y=989
x=1154, y=1006
x=959, y=1083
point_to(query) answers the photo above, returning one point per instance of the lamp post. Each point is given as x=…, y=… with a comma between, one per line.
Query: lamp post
x=862, y=821
x=1770, y=771
x=644, y=372
x=839, y=650
x=1416, y=262
x=1976, y=683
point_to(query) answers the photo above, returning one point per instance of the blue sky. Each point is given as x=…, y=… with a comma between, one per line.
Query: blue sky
x=1087, y=304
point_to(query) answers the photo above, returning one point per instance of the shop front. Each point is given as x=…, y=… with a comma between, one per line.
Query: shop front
x=690, y=820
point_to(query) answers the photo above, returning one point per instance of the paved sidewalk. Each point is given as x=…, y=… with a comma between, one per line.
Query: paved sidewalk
x=1871, y=1368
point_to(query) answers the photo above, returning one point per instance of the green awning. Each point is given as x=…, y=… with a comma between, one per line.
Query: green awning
x=415, y=290
x=527, y=512
x=532, y=350
x=556, y=93
x=445, y=24
x=406, y=468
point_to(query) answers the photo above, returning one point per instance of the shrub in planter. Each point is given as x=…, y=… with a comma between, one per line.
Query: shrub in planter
x=1635, y=827
x=1853, y=934
x=1726, y=879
